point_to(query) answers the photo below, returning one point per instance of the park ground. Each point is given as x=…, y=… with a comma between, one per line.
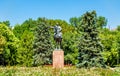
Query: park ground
x=49, y=71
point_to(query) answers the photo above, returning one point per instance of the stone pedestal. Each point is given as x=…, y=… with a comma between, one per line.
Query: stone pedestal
x=58, y=59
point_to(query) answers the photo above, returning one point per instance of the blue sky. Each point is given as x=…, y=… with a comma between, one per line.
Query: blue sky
x=17, y=11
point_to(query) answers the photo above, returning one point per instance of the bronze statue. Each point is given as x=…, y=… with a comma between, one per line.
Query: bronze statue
x=58, y=36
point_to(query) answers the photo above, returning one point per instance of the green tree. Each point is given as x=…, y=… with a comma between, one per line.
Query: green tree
x=101, y=22
x=7, y=23
x=2, y=48
x=110, y=40
x=28, y=25
x=75, y=21
x=11, y=45
x=18, y=31
x=25, y=50
x=118, y=27
x=69, y=44
x=2, y=43
x=90, y=47
x=118, y=48
x=42, y=45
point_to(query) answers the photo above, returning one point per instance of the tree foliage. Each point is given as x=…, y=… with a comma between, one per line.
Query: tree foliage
x=29, y=44
x=25, y=50
x=101, y=22
x=110, y=40
x=70, y=48
x=118, y=28
x=10, y=47
x=90, y=47
x=7, y=23
x=42, y=45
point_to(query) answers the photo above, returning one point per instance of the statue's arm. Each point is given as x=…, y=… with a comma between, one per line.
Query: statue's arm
x=51, y=27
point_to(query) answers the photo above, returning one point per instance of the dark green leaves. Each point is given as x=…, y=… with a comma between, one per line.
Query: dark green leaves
x=42, y=45
x=89, y=44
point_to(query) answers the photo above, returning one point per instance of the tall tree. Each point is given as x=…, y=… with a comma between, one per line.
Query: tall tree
x=11, y=45
x=90, y=47
x=2, y=47
x=2, y=43
x=42, y=45
x=7, y=23
x=111, y=41
x=118, y=27
x=101, y=22
x=69, y=45
x=118, y=48
x=74, y=21
x=28, y=25
x=25, y=50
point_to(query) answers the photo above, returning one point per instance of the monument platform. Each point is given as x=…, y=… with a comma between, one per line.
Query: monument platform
x=58, y=59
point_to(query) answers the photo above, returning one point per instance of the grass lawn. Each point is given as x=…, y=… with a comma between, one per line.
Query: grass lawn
x=49, y=71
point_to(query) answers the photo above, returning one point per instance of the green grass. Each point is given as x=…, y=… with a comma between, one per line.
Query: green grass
x=49, y=71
